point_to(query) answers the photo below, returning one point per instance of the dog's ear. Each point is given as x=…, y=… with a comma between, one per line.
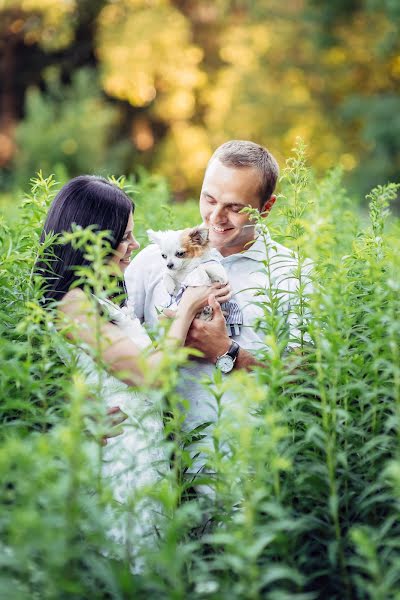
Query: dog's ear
x=198, y=236
x=153, y=236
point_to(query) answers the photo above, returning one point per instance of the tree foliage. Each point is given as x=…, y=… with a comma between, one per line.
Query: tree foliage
x=188, y=76
x=68, y=129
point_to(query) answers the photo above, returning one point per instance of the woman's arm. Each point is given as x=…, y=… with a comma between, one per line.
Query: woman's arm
x=118, y=352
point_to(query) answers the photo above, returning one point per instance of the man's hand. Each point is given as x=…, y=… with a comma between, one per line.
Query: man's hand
x=210, y=337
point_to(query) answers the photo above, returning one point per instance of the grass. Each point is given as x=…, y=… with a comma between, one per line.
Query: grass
x=305, y=499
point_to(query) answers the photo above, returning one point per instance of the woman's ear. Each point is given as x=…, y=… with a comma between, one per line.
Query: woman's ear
x=266, y=207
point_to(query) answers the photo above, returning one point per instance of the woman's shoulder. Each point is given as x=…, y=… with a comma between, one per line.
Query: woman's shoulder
x=77, y=301
x=82, y=306
x=73, y=295
x=74, y=300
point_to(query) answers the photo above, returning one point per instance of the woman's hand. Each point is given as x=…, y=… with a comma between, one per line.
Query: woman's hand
x=195, y=298
x=117, y=417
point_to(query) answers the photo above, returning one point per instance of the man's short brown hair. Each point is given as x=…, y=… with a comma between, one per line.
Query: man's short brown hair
x=241, y=153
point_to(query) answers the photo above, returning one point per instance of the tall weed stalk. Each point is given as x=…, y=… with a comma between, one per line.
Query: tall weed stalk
x=301, y=496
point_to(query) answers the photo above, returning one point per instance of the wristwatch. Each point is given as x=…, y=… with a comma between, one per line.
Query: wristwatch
x=226, y=361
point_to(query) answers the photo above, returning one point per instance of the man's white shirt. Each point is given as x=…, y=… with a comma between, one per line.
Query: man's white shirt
x=265, y=265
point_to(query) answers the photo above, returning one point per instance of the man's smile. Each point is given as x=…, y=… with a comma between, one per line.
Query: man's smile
x=218, y=229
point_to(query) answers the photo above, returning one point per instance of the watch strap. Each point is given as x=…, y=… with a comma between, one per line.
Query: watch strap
x=232, y=352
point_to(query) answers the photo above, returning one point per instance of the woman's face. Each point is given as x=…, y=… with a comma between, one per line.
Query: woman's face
x=122, y=254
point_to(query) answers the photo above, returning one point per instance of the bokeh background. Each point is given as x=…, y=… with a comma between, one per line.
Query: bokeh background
x=113, y=86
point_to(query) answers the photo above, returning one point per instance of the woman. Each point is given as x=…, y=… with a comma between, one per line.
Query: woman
x=107, y=342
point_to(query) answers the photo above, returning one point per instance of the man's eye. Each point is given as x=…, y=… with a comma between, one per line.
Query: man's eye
x=164, y=255
x=180, y=254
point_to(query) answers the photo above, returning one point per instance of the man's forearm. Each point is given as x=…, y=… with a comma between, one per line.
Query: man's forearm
x=245, y=360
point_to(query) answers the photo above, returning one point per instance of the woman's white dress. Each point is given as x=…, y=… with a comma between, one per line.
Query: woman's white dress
x=135, y=460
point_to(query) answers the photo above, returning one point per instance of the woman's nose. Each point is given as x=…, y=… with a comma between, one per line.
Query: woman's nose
x=134, y=244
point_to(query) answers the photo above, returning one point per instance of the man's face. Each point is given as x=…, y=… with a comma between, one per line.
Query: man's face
x=225, y=191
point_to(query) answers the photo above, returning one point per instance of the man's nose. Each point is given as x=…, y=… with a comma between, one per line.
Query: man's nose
x=218, y=212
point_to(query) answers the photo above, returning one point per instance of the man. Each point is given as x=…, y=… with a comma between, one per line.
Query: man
x=240, y=174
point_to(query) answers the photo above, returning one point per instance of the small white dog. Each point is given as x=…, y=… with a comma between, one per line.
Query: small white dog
x=188, y=260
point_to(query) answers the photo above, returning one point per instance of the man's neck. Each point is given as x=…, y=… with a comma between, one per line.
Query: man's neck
x=225, y=252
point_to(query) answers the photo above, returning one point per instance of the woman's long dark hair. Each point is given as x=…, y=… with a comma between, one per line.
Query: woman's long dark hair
x=86, y=201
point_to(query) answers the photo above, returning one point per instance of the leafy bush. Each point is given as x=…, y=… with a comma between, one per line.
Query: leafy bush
x=305, y=499
x=67, y=129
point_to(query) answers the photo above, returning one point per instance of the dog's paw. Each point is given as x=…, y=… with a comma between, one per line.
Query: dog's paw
x=220, y=279
x=206, y=314
x=216, y=273
x=169, y=284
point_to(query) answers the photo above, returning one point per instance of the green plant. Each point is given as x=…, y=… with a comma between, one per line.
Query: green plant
x=303, y=487
x=79, y=130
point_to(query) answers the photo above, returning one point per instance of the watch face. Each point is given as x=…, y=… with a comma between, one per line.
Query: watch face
x=225, y=364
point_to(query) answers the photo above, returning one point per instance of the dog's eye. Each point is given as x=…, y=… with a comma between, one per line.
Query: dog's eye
x=180, y=254
x=164, y=255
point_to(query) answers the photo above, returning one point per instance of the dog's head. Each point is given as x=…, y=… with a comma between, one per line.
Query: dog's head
x=179, y=247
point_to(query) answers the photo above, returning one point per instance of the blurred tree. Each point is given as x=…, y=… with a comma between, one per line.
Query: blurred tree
x=359, y=46
x=48, y=23
x=264, y=89
x=239, y=69
x=147, y=57
x=186, y=76
x=68, y=128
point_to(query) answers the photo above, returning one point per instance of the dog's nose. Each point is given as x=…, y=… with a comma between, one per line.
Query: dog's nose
x=170, y=265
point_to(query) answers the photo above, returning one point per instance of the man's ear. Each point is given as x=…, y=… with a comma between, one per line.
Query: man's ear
x=153, y=236
x=266, y=207
x=198, y=236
